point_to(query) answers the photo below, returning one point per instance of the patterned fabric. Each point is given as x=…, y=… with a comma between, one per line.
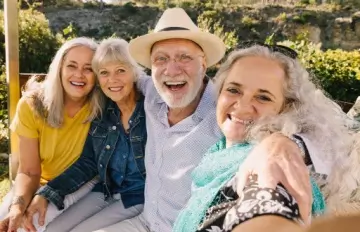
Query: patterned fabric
x=216, y=169
x=232, y=210
x=172, y=152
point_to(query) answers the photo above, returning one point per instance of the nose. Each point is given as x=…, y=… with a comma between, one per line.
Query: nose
x=172, y=69
x=244, y=106
x=112, y=77
x=78, y=73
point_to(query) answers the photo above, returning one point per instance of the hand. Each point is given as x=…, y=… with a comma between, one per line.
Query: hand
x=39, y=205
x=277, y=159
x=12, y=221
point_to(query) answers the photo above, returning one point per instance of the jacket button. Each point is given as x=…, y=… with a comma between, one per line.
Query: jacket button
x=107, y=147
x=101, y=165
x=114, y=127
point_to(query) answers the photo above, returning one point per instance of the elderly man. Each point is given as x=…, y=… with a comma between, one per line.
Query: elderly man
x=181, y=124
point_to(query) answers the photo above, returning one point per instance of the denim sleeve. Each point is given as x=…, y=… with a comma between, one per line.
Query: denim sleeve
x=79, y=173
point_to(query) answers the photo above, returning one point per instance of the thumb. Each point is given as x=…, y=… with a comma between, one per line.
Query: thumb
x=42, y=214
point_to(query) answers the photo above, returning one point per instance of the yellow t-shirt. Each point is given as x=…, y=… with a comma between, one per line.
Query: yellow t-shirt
x=59, y=147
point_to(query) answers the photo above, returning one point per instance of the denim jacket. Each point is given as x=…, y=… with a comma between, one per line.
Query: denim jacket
x=98, y=149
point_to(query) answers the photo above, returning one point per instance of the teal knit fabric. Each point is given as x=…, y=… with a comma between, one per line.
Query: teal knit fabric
x=217, y=167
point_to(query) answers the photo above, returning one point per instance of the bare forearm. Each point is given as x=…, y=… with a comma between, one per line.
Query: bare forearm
x=26, y=185
x=269, y=224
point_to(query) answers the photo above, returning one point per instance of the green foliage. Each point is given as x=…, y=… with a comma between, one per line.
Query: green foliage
x=70, y=32
x=208, y=22
x=249, y=21
x=37, y=46
x=37, y=43
x=337, y=71
x=212, y=24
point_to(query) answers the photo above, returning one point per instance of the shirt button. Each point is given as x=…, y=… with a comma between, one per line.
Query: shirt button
x=101, y=167
x=130, y=122
x=114, y=127
x=107, y=147
x=124, y=156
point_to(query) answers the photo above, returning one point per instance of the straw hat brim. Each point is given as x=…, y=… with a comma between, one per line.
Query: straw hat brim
x=213, y=47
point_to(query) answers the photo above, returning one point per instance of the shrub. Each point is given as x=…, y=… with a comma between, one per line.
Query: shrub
x=337, y=71
x=209, y=23
x=37, y=46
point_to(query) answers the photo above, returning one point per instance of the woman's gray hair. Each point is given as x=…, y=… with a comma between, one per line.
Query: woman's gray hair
x=48, y=96
x=306, y=109
x=115, y=50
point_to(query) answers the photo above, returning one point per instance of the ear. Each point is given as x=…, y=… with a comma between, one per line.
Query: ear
x=204, y=65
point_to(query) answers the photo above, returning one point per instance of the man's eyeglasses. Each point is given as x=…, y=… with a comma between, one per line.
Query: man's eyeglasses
x=274, y=48
x=181, y=59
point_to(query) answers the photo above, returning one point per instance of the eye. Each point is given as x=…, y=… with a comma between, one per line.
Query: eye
x=103, y=73
x=264, y=98
x=232, y=90
x=71, y=66
x=185, y=58
x=88, y=69
x=160, y=60
x=120, y=70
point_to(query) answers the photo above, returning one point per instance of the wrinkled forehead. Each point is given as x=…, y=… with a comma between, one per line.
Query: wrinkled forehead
x=175, y=45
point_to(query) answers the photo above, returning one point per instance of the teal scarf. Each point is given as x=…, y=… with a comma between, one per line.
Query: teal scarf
x=217, y=167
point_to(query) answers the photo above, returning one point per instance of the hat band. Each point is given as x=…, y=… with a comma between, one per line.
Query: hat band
x=174, y=29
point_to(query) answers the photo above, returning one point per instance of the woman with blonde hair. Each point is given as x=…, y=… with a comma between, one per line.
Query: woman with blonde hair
x=52, y=122
x=114, y=150
x=263, y=90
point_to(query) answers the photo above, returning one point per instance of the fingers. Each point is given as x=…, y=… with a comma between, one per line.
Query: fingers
x=28, y=222
x=14, y=223
x=4, y=224
x=241, y=177
x=296, y=180
x=42, y=213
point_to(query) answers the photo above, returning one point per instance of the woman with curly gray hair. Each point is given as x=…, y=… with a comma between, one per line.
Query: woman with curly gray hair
x=264, y=90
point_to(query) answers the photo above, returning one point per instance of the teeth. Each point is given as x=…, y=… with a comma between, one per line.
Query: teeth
x=77, y=83
x=245, y=122
x=115, y=88
x=175, y=82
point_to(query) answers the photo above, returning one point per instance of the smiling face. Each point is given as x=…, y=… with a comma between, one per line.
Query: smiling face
x=178, y=69
x=116, y=81
x=252, y=89
x=77, y=76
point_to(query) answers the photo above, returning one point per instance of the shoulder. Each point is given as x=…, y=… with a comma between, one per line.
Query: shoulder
x=24, y=105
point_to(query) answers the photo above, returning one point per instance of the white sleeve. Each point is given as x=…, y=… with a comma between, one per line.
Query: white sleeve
x=321, y=166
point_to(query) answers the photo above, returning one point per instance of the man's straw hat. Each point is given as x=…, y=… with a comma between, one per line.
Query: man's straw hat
x=176, y=24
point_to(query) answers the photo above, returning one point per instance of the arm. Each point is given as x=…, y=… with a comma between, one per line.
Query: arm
x=28, y=177
x=78, y=174
x=268, y=223
x=29, y=170
x=278, y=159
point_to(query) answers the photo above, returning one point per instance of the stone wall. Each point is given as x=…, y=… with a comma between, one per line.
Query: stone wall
x=334, y=29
